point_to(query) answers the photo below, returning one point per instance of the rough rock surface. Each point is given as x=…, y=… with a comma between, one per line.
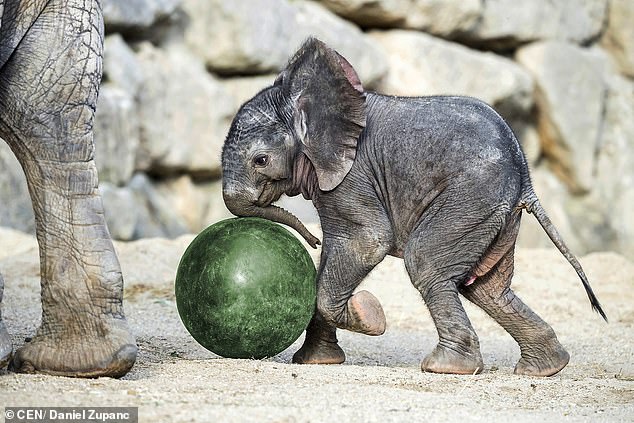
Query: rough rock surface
x=618, y=37
x=136, y=15
x=116, y=134
x=122, y=210
x=507, y=23
x=184, y=111
x=613, y=193
x=120, y=65
x=424, y=65
x=176, y=71
x=445, y=18
x=277, y=29
x=198, y=204
x=157, y=217
x=244, y=88
x=15, y=203
x=570, y=118
x=371, y=13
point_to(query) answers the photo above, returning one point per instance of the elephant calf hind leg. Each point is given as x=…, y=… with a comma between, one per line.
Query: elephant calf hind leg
x=435, y=273
x=541, y=352
x=458, y=349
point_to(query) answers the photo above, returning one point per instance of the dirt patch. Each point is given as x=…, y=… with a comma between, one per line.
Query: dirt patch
x=176, y=380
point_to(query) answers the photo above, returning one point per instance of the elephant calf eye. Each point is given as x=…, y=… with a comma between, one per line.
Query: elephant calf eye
x=261, y=160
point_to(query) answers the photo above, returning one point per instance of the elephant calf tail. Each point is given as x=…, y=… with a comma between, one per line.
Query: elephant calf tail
x=532, y=205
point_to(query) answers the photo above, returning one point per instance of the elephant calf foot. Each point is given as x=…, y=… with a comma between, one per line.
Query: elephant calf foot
x=365, y=314
x=5, y=346
x=546, y=359
x=446, y=360
x=110, y=352
x=320, y=352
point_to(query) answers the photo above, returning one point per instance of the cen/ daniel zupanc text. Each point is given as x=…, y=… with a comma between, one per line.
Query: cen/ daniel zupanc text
x=71, y=414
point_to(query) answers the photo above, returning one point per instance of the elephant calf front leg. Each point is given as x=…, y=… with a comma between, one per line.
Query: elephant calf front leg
x=321, y=345
x=542, y=354
x=337, y=307
x=361, y=313
x=342, y=270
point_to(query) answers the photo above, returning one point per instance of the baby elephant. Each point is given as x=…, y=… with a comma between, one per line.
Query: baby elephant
x=438, y=181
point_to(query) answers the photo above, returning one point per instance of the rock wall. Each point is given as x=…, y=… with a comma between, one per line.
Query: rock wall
x=176, y=71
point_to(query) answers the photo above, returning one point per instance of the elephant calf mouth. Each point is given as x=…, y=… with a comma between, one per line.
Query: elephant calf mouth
x=266, y=197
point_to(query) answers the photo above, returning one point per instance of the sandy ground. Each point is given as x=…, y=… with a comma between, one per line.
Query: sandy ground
x=176, y=380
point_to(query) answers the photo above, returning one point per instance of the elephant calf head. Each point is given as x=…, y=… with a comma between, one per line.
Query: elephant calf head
x=297, y=136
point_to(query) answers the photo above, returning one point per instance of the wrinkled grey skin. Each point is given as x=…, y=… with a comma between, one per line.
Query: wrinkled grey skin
x=50, y=69
x=438, y=181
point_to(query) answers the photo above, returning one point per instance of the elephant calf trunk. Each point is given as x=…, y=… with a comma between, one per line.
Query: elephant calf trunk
x=245, y=208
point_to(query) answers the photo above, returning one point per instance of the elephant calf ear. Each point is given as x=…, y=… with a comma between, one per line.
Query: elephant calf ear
x=330, y=109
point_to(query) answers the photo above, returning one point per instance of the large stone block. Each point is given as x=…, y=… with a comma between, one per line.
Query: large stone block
x=216, y=209
x=259, y=36
x=162, y=208
x=199, y=204
x=424, y=65
x=116, y=134
x=553, y=195
x=510, y=23
x=571, y=101
x=445, y=18
x=156, y=215
x=120, y=65
x=615, y=164
x=134, y=16
x=185, y=114
x=371, y=13
x=618, y=38
x=15, y=204
x=587, y=101
x=121, y=209
x=245, y=88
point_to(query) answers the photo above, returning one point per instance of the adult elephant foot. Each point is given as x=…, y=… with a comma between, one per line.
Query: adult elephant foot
x=107, y=350
x=447, y=360
x=544, y=359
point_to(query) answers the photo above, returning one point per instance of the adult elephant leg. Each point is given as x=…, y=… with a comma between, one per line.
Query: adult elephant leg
x=5, y=340
x=48, y=93
x=83, y=331
x=541, y=352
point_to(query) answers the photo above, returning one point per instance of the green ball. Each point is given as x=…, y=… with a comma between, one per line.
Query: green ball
x=245, y=288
